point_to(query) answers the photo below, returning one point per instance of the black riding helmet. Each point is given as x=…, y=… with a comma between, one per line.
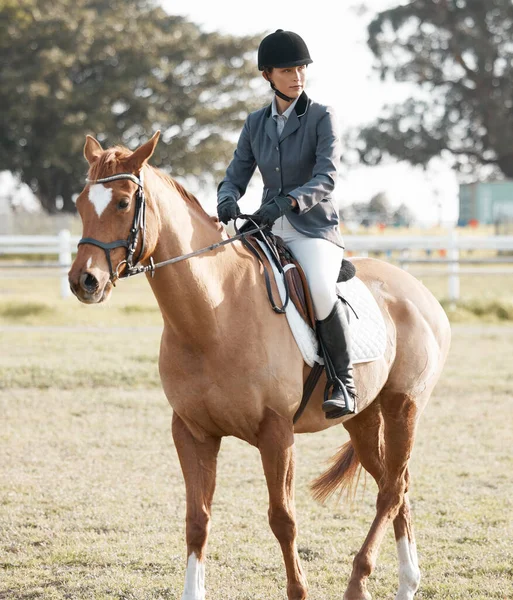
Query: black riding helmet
x=282, y=49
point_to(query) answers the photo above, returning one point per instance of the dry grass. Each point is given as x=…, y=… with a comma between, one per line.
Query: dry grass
x=93, y=502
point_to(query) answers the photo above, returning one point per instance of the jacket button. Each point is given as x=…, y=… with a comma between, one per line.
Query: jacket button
x=277, y=168
x=277, y=147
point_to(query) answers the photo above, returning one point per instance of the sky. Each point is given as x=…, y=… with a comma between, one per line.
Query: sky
x=341, y=76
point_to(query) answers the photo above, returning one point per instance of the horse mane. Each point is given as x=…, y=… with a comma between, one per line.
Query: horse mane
x=184, y=193
x=187, y=196
x=108, y=164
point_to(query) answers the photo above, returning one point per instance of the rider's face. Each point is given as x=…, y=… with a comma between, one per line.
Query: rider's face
x=289, y=80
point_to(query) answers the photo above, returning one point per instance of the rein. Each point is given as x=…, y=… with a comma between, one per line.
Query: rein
x=170, y=261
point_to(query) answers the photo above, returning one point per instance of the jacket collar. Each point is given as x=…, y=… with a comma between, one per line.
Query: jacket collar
x=292, y=123
x=302, y=104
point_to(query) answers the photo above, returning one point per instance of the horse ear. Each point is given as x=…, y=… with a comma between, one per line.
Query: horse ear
x=92, y=149
x=140, y=157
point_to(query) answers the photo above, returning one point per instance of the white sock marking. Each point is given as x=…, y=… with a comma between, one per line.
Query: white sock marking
x=99, y=196
x=194, y=579
x=409, y=573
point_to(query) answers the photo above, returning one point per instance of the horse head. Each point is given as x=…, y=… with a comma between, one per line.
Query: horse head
x=113, y=209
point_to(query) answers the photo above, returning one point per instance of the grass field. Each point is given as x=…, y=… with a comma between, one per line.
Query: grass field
x=91, y=494
x=28, y=299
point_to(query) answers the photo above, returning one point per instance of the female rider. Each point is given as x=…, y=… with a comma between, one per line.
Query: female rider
x=294, y=143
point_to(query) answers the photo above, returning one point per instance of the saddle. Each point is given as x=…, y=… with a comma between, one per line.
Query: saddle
x=294, y=276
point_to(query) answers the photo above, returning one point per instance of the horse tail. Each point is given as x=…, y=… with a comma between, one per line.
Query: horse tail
x=343, y=475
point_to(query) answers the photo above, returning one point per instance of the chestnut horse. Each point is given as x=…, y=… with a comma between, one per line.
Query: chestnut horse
x=229, y=365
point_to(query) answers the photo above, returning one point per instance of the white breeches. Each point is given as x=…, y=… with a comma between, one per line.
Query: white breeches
x=321, y=261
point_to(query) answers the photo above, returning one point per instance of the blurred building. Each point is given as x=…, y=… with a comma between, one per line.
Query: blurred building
x=487, y=203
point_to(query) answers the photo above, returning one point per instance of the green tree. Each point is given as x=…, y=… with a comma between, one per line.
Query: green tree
x=117, y=69
x=402, y=216
x=379, y=207
x=458, y=55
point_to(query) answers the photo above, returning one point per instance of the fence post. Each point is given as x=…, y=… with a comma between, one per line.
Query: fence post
x=65, y=261
x=403, y=256
x=454, y=267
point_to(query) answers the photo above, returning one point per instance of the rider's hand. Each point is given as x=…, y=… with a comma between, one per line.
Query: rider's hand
x=268, y=213
x=227, y=209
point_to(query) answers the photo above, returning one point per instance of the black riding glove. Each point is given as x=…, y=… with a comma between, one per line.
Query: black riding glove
x=227, y=209
x=268, y=213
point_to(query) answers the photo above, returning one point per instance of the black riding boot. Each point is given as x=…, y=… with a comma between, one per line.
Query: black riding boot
x=335, y=345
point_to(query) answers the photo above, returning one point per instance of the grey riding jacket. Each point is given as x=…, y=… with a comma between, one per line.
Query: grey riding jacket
x=302, y=163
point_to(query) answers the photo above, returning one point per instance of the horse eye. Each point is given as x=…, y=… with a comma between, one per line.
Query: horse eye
x=123, y=203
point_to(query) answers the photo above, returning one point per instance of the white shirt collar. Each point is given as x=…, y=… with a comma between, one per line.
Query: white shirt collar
x=286, y=114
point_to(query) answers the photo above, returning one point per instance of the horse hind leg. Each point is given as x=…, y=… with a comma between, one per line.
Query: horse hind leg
x=365, y=449
x=409, y=572
x=277, y=451
x=399, y=413
x=366, y=432
x=198, y=461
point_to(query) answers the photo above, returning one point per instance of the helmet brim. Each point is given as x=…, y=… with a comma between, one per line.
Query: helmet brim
x=284, y=65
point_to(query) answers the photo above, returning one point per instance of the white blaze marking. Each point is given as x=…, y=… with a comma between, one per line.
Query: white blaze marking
x=409, y=573
x=99, y=196
x=89, y=262
x=194, y=579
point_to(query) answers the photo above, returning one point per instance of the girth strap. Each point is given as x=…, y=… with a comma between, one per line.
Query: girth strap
x=308, y=388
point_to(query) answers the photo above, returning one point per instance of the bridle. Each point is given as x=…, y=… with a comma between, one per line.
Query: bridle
x=137, y=231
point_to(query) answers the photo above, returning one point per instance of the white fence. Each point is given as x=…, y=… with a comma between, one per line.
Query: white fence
x=63, y=246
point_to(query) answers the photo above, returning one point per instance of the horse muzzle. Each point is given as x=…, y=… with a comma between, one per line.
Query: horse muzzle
x=90, y=287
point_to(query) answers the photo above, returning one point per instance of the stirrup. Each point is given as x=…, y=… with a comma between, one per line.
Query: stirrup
x=341, y=403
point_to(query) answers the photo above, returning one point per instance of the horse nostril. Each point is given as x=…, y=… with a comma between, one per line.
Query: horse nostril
x=89, y=282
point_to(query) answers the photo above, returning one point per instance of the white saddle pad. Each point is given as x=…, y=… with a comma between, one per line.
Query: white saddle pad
x=368, y=331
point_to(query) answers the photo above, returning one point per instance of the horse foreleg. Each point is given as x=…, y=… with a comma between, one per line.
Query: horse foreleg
x=399, y=414
x=198, y=460
x=276, y=445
